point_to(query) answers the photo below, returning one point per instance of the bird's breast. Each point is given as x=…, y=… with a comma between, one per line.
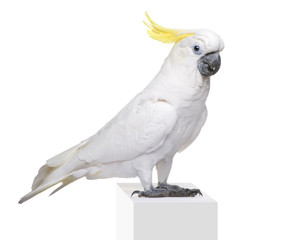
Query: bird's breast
x=188, y=126
x=192, y=114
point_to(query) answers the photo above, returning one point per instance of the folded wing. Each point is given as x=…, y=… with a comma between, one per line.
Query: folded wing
x=139, y=128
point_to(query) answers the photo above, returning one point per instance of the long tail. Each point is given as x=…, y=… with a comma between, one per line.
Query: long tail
x=56, y=170
x=65, y=181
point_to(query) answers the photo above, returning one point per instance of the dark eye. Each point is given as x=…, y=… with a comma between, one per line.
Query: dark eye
x=196, y=48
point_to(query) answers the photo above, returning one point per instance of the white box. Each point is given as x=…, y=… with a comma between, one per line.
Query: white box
x=164, y=218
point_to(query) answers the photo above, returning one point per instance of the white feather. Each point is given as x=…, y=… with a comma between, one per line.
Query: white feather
x=162, y=120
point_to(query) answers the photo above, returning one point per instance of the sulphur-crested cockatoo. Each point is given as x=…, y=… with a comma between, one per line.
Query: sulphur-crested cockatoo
x=165, y=118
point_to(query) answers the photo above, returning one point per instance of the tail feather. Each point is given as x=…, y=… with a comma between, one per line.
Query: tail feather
x=43, y=172
x=36, y=192
x=53, y=164
x=70, y=178
x=63, y=168
x=65, y=182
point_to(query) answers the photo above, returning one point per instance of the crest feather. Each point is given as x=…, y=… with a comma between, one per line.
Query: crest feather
x=162, y=34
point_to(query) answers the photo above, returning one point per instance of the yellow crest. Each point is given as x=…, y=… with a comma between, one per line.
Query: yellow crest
x=162, y=34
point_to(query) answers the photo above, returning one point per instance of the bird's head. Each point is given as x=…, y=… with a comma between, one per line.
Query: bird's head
x=197, y=49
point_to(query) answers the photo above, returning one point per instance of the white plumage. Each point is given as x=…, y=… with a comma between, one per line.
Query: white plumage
x=162, y=120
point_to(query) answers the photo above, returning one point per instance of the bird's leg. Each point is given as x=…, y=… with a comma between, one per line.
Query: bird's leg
x=163, y=169
x=163, y=189
x=145, y=177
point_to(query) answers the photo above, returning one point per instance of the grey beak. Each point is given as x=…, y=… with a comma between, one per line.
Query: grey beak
x=209, y=64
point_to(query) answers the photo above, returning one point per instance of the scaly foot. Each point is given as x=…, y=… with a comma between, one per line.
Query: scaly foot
x=166, y=190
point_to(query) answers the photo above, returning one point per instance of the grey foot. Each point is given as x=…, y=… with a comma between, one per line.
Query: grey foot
x=177, y=191
x=154, y=193
x=166, y=190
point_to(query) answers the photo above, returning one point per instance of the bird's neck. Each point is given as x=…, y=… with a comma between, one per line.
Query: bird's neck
x=180, y=82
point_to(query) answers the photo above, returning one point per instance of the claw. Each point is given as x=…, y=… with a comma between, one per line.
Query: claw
x=194, y=192
x=137, y=192
x=199, y=192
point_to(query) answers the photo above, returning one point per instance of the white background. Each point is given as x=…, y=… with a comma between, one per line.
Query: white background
x=67, y=67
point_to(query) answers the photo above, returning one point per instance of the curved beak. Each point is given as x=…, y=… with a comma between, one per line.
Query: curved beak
x=209, y=64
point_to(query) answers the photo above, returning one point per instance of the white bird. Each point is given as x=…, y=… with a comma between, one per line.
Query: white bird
x=165, y=118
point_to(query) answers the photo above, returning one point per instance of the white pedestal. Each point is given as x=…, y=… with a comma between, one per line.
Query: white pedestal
x=164, y=218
